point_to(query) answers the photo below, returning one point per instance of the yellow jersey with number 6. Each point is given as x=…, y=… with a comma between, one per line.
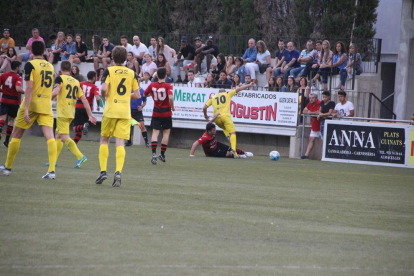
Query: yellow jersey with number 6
x=70, y=90
x=221, y=103
x=41, y=73
x=121, y=81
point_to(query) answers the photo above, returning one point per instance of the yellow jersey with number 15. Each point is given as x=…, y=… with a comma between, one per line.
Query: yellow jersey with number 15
x=121, y=81
x=41, y=73
x=221, y=103
x=70, y=90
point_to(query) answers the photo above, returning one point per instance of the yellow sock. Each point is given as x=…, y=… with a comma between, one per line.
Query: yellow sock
x=120, y=158
x=73, y=148
x=12, y=152
x=103, y=156
x=233, y=141
x=52, y=152
x=59, y=146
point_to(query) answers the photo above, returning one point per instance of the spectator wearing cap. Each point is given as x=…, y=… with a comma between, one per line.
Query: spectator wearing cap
x=185, y=56
x=211, y=52
x=35, y=37
x=199, y=62
x=6, y=42
x=139, y=49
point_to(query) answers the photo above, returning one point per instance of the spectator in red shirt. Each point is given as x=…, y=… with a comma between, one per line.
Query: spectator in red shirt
x=312, y=108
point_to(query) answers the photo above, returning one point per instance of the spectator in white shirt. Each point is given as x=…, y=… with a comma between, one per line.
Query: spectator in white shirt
x=344, y=108
x=125, y=44
x=149, y=66
x=139, y=49
x=262, y=61
x=192, y=81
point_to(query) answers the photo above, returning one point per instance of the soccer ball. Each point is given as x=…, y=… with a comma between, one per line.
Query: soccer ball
x=274, y=155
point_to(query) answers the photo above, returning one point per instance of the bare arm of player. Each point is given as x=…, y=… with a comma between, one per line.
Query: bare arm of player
x=136, y=95
x=215, y=118
x=88, y=109
x=56, y=91
x=244, y=87
x=20, y=90
x=104, y=88
x=98, y=101
x=171, y=98
x=193, y=148
x=205, y=112
x=28, y=100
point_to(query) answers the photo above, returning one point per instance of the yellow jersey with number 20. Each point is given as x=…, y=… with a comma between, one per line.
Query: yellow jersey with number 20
x=70, y=90
x=221, y=103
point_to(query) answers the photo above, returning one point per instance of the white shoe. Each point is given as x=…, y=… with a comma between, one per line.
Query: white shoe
x=248, y=154
x=5, y=171
x=242, y=156
x=49, y=175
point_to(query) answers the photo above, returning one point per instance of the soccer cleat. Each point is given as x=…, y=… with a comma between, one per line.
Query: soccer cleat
x=242, y=156
x=101, y=178
x=80, y=162
x=6, y=143
x=117, y=180
x=154, y=159
x=5, y=171
x=161, y=157
x=248, y=154
x=147, y=145
x=235, y=155
x=85, y=129
x=49, y=175
x=304, y=157
x=128, y=144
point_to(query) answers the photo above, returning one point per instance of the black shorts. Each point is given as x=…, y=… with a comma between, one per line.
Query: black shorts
x=137, y=115
x=161, y=123
x=82, y=59
x=81, y=117
x=221, y=150
x=9, y=110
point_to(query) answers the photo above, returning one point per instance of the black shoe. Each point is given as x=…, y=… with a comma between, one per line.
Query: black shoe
x=147, y=144
x=161, y=157
x=304, y=157
x=85, y=128
x=101, y=178
x=128, y=144
x=117, y=180
x=6, y=143
x=154, y=159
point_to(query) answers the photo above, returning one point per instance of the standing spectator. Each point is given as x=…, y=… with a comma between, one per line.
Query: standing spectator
x=125, y=44
x=169, y=53
x=6, y=42
x=139, y=49
x=340, y=61
x=236, y=82
x=312, y=108
x=55, y=52
x=290, y=62
x=7, y=59
x=279, y=59
x=279, y=85
x=35, y=37
x=104, y=54
x=96, y=42
x=305, y=56
x=327, y=108
x=132, y=63
x=220, y=66
x=224, y=82
x=325, y=60
x=75, y=73
x=303, y=89
x=291, y=85
x=248, y=80
x=185, y=56
x=211, y=52
x=81, y=51
x=271, y=84
x=149, y=66
x=344, y=108
x=354, y=62
x=210, y=82
x=70, y=48
x=152, y=49
x=161, y=61
x=262, y=61
x=250, y=55
x=312, y=66
x=230, y=66
x=193, y=82
x=240, y=69
x=199, y=62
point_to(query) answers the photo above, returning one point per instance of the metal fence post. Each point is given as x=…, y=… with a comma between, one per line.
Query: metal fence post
x=369, y=105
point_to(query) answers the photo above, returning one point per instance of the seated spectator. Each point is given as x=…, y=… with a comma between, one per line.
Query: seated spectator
x=236, y=82
x=104, y=54
x=149, y=66
x=230, y=66
x=303, y=88
x=324, y=64
x=75, y=73
x=354, y=62
x=240, y=69
x=327, y=108
x=312, y=66
x=290, y=62
x=279, y=85
x=223, y=81
x=125, y=44
x=199, y=62
x=344, y=108
x=250, y=55
x=192, y=81
x=161, y=61
x=210, y=82
x=152, y=49
x=305, y=56
x=99, y=74
x=271, y=84
x=167, y=51
x=340, y=61
x=6, y=42
x=70, y=48
x=185, y=57
x=291, y=85
x=248, y=80
x=57, y=49
x=312, y=108
x=261, y=63
x=7, y=59
x=132, y=62
x=279, y=59
x=139, y=49
x=81, y=51
x=29, y=56
x=96, y=42
x=220, y=66
x=210, y=51
x=52, y=39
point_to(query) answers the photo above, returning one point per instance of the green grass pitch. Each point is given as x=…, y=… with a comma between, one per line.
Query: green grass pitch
x=203, y=216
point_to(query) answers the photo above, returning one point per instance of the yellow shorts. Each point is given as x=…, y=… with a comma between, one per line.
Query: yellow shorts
x=113, y=127
x=226, y=123
x=62, y=125
x=42, y=119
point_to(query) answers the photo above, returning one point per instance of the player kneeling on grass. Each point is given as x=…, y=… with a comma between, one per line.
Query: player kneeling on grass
x=67, y=89
x=213, y=148
x=117, y=83
x=162, y=94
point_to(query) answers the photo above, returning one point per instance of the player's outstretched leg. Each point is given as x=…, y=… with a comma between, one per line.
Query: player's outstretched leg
x=52, y=152
x=103, y=160
x=233, y=141
x=117, y=180
x=14, y=147
x=154, y=145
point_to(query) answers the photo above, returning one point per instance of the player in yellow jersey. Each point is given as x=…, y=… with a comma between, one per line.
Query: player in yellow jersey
x=36, y=106
x=117, y=83
x=221, y=104
x=67, y=90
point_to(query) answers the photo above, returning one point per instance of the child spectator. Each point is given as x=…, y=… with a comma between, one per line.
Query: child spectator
x=240, y=69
